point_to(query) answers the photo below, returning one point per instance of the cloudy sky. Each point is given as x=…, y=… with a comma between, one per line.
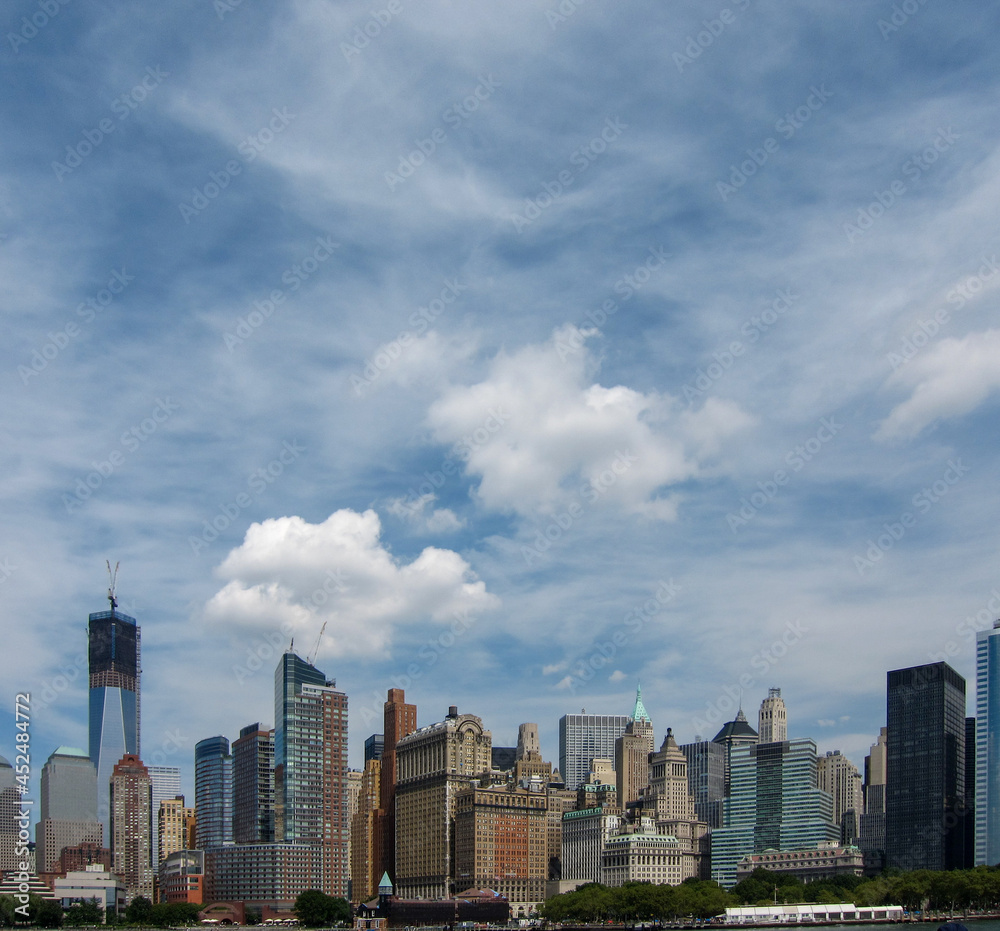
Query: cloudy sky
x=535, y=349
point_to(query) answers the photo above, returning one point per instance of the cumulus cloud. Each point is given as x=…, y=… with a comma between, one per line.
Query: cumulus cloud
x=617, y=676
x=949, y=379
x=537, y=431
x=289, y=576
x=415, y=512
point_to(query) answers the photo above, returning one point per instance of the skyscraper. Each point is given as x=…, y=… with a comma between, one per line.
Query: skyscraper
x=174, y=826
x=68, y=806
x=115, y=672
x=166, y=784
x=872, y=828
x=399, y=719
x=925, y=772
x=706, y=761
x=253, y=785
x=987, y=749
x=774, y=803
x=840, y=777
x=772, y=719
x=584, y=737
x=735, y=733
x=310, y=767
x=213, y=792
x=131, y=792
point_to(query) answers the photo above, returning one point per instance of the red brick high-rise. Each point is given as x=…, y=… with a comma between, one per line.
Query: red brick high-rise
x=400, y=720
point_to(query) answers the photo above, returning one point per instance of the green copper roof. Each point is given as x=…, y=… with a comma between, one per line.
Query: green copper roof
x=385, y=881
x=639, y=712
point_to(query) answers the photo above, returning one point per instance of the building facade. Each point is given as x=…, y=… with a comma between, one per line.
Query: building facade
x=640, y=853
x=182, y=877
x=270, y=875
x=987, y=748
x=166, y=784
x=213, y=792
x=925, y=771
x=706, y=779
x=114, y=648
x=433, y=764
x=840, y=777
x=253, y=785
x=68, y=806
x=177, y=827
x=584, y=737
x=131, y=805
x=871, y=833
x=584, y=834
x=772, y=719
x=829, y=861
x=399, y=720
x=365, y=864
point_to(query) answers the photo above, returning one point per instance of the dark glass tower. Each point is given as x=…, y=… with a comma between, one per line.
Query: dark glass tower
x=925, y=768
x=115, y=670
x=213, y=792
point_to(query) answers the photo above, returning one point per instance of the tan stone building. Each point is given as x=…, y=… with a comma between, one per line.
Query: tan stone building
x=632, y=752
x=177, y=826
x=365, y=872
x=501, y=843
x=432, y=765
x=131, y=826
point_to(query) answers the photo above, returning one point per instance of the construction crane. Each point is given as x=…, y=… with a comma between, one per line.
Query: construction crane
x=315, y=649
x=113, y=576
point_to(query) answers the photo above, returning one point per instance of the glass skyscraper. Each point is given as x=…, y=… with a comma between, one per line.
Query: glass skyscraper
x=213, y=792
x=166, y=784
x=925, y=768
x=987, y=729
x=582, y=739
x=115, y=670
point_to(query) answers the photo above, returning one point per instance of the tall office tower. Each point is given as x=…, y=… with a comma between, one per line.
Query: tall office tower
x=501, y=844
x=399, y=720
x=585, y=832
x=840, y=777
x=707, y=779
x=774, y=802
x=670, y=803
x=175, y=821
x=374, y=746
x=528, y=746
x=166, y=784
x=871, y=833
x=310, y=767
x=772, y=720
x=115, y=673
x=364, y=862
x=433, y=764
x=987, y=799
x=213, y=792
x=631, y=765
x=735, y=733
x=971, y=772
x=559, y=801
x=584, y=737
x=10, y=806
x=925, y=774
x=68, y=807
x=529, y=763
x=641, y=725
x=131, y=804
x=253, y=785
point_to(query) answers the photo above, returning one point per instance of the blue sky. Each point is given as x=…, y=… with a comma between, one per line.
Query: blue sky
x=537, y=349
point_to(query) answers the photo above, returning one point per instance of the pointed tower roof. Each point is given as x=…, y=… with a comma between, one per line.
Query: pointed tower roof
x=385, y=883
x=639, y=712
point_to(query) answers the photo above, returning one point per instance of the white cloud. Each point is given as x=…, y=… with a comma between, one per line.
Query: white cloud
x=949, y=379
x=414, y=511
x=617, y=676
x=289, y=576
x=537, y=432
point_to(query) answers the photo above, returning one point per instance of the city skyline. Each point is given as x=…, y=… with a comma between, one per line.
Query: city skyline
x=509, y=357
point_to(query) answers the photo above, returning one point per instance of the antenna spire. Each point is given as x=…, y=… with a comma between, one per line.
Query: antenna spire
x=113, y=577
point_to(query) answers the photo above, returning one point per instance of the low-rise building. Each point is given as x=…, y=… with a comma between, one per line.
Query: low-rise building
x=825, y=861
x=641, y=854
x=182, y=877
x=88, y=884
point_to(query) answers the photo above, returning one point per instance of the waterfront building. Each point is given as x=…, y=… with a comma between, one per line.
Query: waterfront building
x=987, y=747
x=262, y=875
x=584, y=834
x=640, y=853
x=166, y=784
x=68, y=806
x=177, y=827
x=365, y=864
x=253, y=785
x=582, y=739
x=310, y=767
x=114, y=648
x=925, y=771
x=182, y=877
x=825, y=862
x=213, y=792
x=399, y=719
x=93, y=882
x=131, y=803
x=433, y=764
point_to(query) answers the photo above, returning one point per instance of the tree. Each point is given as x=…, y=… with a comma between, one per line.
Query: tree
x=316, y=909
x=49, y=914
x=84, y=913
x=139, y=911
